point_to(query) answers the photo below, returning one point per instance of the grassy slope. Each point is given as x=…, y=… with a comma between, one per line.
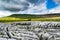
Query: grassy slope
x=27, y=17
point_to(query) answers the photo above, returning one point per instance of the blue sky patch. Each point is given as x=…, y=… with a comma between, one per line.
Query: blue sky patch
x=50, y=4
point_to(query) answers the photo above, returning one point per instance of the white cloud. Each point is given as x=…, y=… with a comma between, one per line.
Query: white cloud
x=57, y=1
x=38, y=9
x=55, y=10
x=13, y=4
x=4, y=13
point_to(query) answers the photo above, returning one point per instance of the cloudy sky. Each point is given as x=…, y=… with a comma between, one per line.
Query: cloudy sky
x=8, y=7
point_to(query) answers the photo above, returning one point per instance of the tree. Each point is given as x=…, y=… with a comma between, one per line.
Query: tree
x=29, y=19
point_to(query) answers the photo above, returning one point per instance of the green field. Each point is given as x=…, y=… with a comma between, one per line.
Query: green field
x=27, y=17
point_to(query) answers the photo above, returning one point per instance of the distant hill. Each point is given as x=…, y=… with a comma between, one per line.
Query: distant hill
x=30, y=17
x=25, y=16
x=34, y=16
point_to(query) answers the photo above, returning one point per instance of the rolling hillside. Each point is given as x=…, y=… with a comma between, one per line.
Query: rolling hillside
x=30, y=17
x=35, y=16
